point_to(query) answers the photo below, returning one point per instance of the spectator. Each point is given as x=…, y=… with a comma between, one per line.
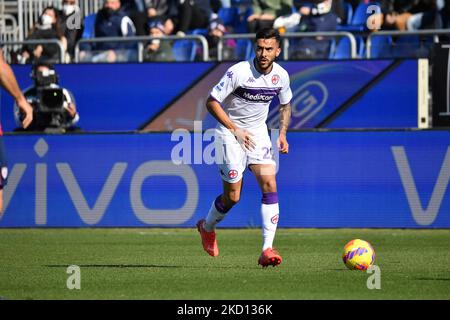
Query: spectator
x=48, y=27
x=158, y=50
x=316, y=17
x=135, y=9
x=131, y=6
x=72, y=24
x=411, y=15
x=54, y=107
x=156, y=10
x=111, y=22
x=216, y=30
x=320, y=15
x=266, y=11
x=163, y=10
x=193, y=14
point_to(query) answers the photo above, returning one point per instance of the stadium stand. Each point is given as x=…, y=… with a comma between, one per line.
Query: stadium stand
x=16, y=22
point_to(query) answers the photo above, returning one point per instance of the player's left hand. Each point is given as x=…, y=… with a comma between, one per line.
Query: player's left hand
x=282, y=144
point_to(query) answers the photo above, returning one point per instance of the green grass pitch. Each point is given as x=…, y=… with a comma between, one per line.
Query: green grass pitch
x=171, y=264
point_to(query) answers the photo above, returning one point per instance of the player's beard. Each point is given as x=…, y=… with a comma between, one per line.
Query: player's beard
x=265, y=66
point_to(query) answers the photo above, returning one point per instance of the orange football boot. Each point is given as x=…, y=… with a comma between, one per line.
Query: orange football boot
x=269, y=257
x=208, y=239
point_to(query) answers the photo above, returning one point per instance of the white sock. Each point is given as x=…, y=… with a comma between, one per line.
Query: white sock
x=270, y=214
x=214, y=215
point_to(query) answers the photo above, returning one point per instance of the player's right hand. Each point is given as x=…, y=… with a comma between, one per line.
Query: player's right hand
x=244, y=138
x=26, y=110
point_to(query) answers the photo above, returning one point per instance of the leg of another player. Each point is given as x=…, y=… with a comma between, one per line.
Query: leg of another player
x=223, y=203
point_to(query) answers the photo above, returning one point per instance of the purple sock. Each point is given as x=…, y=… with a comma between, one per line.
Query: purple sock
x=220, y=206
x=270, y=198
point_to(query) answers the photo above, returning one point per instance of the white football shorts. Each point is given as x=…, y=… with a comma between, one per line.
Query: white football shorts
x=231, y=157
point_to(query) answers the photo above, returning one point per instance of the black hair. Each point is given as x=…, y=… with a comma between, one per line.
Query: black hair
x=37, y=77
x=41, y=63
x=268, y=33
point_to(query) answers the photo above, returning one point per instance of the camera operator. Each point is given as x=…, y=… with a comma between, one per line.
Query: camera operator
x=54, y=107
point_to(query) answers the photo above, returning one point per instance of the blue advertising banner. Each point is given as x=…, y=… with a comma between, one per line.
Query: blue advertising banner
x=392, y=179
x=114, y=97
x=320, y=88
x=397, y=109
x=326, y=94
x=167, y=96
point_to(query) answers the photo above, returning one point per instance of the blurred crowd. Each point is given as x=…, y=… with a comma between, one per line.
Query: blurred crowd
x=213, y=19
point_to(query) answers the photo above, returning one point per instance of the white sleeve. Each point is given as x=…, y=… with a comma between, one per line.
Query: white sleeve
x=127, y=27
x=285, y=94
x=225, y=86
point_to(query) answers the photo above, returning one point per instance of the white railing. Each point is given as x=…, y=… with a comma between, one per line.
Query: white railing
x=8, y=7
x=292, y=35
x=28, y=11
x=90, y=6
x=7, y=46
x=435, y=33
x=9, y=29
x=141, y=40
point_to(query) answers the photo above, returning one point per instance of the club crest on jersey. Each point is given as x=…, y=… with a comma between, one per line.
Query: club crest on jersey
x=232, y=174
x=275, y=218
x=230, y=74
x=275, y=79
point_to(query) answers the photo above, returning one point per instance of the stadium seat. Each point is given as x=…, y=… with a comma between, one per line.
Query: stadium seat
x=197, y=47
x=348, y=17
x=343, y=51
x=229, y=16
x=360, y=47
x=348, y=13
x=88, y=31
x=244, y=49
x=241, y=25
x=89, y=25
x=359, y=18
x=200, y=31
x=184, y=50
x=381, y=47
x=412, y=46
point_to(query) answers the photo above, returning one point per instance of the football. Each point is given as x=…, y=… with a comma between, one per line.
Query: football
x=358, y=255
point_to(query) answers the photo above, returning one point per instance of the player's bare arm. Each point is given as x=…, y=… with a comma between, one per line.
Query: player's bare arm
x=242, y=135
x=285, y=118
x=8, y=81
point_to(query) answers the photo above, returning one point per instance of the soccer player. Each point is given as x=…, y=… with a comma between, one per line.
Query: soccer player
x=9, y=83
x=240, y=103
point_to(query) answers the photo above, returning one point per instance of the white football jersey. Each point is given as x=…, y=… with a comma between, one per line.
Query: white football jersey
x=245, y=94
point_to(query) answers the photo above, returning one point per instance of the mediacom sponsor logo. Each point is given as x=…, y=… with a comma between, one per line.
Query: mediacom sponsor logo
x=257, y=97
